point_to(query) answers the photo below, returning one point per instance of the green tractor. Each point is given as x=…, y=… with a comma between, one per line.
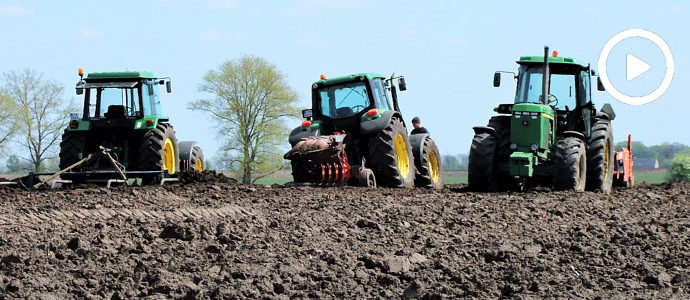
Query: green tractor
x=551, y=135
x=122, y=115
x=354, y=135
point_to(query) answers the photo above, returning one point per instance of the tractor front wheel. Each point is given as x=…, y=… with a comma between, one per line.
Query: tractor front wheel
x=158, y=152
x=570, y=169
x=390, y=156
x=430, y=173
x=480, y=169
x=197, y=162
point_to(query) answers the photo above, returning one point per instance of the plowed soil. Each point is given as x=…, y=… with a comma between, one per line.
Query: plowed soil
x=211, y=238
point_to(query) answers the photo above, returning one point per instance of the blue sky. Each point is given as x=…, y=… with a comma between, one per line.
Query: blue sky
x=448, y=51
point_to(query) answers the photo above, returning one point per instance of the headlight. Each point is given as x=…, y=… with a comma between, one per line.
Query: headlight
x=513, y=146
x=533, y=147
x=314, y=86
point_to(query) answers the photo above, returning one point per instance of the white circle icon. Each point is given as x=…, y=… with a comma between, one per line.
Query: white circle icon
x=637, y=66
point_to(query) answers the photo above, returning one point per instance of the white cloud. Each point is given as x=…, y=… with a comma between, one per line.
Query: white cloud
x=14, y=10
x=90, y=34
x=211, y=35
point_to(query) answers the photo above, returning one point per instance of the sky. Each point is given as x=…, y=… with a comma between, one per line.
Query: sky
x=447, y=50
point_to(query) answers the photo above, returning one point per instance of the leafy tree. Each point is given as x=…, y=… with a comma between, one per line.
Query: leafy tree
x=249, y=101
x=40, y=112
x=8, y=124
x=679, y=168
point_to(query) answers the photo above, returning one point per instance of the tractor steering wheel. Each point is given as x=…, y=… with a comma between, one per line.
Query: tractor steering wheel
x=353, y=108
x=554, y=101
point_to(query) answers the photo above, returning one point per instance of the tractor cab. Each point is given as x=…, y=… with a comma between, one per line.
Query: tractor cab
x=569, y=90
x=114, y=99
x=341, y=104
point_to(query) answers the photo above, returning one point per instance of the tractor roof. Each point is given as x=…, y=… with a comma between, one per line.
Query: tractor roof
x=552, y=60
x=121, y=75
x=348, y=78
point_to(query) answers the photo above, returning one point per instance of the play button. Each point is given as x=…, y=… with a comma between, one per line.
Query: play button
x=634, y=67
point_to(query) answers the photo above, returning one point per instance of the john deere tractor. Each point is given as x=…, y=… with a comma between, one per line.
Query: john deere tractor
x=551, y=135
x=122, y=115
x=354, y=135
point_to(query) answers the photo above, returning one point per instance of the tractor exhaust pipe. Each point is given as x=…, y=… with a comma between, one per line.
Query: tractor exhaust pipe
x=545, y=77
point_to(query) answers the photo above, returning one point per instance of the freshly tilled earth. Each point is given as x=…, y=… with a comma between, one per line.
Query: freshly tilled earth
x=210, y=238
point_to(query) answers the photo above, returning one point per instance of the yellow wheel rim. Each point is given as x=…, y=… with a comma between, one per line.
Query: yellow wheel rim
x=169, y=157
x=433, y=166
x=198, y=166
x=606, y=161
x=401, y=155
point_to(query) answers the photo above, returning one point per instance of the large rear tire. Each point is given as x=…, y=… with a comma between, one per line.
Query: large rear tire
x=428, y=166
x=390, y=156
x=158, y=152
x=600, y=157
x=71, y=152
x=570, y=165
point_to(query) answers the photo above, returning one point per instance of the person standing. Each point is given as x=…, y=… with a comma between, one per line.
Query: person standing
x=418, y=128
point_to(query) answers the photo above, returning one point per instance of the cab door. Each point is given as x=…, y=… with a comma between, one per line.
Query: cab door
x=585, y=100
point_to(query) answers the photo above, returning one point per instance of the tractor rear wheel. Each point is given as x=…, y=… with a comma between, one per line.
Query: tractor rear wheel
x=71, y=152
x=428, y=166
x=480, y=169
x=570, y=166
x=600, y=157
x=390, y=156
x=158, y=152
x=197, y=162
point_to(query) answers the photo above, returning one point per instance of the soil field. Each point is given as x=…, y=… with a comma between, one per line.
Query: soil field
x=215, y=238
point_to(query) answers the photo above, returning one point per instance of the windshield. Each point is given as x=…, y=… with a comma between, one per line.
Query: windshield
x=344, y=100
x=562, y=89
x=116, y=101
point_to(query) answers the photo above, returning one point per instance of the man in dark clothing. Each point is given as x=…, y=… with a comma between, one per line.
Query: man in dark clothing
x=417, y=124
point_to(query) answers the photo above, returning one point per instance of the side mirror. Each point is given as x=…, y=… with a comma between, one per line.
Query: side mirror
x=401, y=84
x=168, y=87
x=307, y=113
x=497, y=79
x=80, y=87
x=600, y=86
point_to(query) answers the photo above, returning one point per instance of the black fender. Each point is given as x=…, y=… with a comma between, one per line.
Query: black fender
x=185, y=149
x=606, y=112
x=417, y=141
x=376, y=125
x=298, y=134
x=574, y=134
x=484, y=129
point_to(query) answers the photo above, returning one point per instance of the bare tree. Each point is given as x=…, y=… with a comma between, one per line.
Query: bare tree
x=249, y=102
x=40, y=113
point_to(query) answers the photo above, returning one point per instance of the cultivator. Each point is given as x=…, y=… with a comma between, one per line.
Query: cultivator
x=623, y=167
x=326, y=155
